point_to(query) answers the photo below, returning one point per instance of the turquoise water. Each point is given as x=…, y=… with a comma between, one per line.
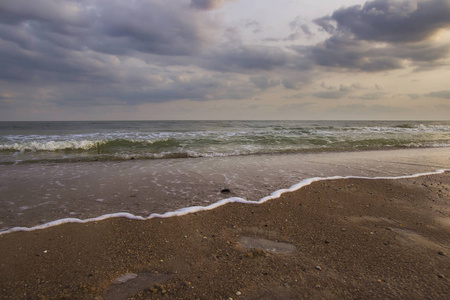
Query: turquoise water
x=25, y=142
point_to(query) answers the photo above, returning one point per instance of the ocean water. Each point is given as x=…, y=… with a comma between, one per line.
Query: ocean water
x=58, y=172
x=25, y=142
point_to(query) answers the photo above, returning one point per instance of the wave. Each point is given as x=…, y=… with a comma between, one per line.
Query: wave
x=142, y=140
x=195, y=209
x=98, y=145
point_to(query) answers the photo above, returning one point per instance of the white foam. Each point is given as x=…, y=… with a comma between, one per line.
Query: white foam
x=51, y=145
x=194, y=209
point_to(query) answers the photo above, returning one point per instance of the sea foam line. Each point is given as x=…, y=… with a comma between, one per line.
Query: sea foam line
x=194, y=209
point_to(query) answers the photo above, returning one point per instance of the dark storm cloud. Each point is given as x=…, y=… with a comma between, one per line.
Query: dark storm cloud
x=390, y=20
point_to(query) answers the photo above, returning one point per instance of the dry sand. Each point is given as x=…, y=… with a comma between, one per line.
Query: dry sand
x=358, y=239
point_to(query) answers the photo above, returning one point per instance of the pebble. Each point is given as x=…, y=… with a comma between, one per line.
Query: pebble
x=318, y=268
x=238, y=293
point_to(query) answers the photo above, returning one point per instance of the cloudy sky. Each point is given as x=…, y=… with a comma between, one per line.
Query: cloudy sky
x=224, y=59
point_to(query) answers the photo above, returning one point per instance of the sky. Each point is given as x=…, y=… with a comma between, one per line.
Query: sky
x=224, y=60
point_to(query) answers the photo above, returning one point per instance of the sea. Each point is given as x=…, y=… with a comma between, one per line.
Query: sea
x=58, y=172
x=37, y=142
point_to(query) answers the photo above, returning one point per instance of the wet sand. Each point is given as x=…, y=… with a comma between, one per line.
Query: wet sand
x=352, y=238
x=35, y=194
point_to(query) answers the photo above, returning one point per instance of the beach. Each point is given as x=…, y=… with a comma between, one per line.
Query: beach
x=224, y=210
x=332, y=239
x=41, y=193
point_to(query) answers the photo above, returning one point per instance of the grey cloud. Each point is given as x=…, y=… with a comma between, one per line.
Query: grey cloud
x=327, y=24
x=300, y=29
x=300, y=24
x=327, y=87
x=345, y=52
x=342, y=51
x=404, y=26
x=372, y=96
x=336, y=94
x=72, y=41
x=345, y=88
x=163, y=28
x=264, y=82
x=414, y=96
x=351, y=91
x=358, y=86
x=440, y=94
x=293, y=36
x=208, y=4
x=390, y=20
x=175, y=87
x=246, y=59
x=152, y=27
x=17, y=11
x=295, y=82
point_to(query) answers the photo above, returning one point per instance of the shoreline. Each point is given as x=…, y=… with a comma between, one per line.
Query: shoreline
x=39, y=194
x=187, y=156
x=195, y=209
x=343, y=238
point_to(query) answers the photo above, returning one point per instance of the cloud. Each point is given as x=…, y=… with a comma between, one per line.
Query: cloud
x=351, y=91
x=246, y=59
x=372, y=96
x=330, y=94
x=264, y=82
x=82, y=52
x=440, y=94
x=343, y=51
x=67, y=12
x=390, y=20
x=300, y=30
x=414, y=96
x=383, y=35
x=112, y=27
x=93, y=41
x=208, y=4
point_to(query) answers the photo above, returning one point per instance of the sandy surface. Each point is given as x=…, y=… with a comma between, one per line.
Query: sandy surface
x=359, y=239
x=35, y=194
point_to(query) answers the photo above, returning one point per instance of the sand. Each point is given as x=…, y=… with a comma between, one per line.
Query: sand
x=352, y=238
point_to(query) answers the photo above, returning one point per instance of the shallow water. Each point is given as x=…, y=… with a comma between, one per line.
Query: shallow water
x=34, y=194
